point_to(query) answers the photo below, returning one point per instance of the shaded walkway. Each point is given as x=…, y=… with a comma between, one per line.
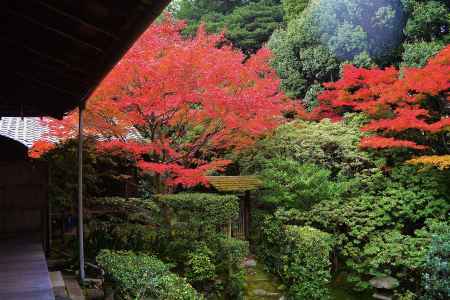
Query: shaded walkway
x=23, y=270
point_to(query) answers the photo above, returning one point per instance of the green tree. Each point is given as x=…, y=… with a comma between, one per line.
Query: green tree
x=417, y=54
x=428, y=20
x=333, y=146
x=350, y=27
x=250, y=26
x=210, y=12
x=291, y=184
x=293, y=8
x=327, y=33
x=435, y=280
x=300, y=60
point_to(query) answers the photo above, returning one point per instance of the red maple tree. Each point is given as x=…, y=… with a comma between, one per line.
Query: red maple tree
x=408, y=108
x=176, y=104
x=39, y=148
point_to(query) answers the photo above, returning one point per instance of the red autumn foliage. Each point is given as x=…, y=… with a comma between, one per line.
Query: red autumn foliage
x=176, y=104
x=404, y=106
x=39, y=148
x=379, y=142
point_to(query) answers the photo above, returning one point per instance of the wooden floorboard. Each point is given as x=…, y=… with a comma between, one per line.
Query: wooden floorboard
x=23, y=270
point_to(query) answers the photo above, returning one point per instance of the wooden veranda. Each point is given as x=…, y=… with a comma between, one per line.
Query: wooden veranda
x=55, y=54
x=23, y=269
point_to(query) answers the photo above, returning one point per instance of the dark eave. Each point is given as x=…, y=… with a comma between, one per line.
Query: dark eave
x=55, y=52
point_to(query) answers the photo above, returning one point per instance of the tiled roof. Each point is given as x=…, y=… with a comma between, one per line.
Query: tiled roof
x=235, y=183
x=25, y=130
x=29, y=130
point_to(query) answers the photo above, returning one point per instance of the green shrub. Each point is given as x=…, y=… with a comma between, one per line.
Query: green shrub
x=300, y=256
x=196, y=216
x=189, y=217
x=201, y=265
x=435, y=279
x=119, y=236
x=121, y=224
x=183, y=229
x=139, y=276
x=383, y=228
x=104, y=174
x=307, y=262
x=190, y=236
x=271, y=243
x=293, y=8
x=231, y=252
x=290, y=183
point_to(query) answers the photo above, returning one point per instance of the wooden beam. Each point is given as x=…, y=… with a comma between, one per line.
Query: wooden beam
x=48, y=85
x=51, y=69
x=55, y=60
x=79, y=20
x=54, y=30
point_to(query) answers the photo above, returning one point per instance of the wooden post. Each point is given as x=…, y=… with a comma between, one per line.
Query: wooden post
x=247, y=212
x=80, y=194
x=229, y=228
x=49, y=212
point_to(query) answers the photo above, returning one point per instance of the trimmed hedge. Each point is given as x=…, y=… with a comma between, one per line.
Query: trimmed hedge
x=202, y=210
x=300, y=256
x=307, y=264
x=137, y=276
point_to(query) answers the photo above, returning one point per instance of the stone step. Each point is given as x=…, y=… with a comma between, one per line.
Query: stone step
x=73, y=288
x=58, y=285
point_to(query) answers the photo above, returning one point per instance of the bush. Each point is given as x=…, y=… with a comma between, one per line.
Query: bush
x=307, y=262
x=119, y=236
x=300, y=256
x=137, y=276
x=271, y=243
x=231, y=252
x=382, y=229
x=201, y=265
x=104, y=174
x=290, y=183
x=197, y=216
x=190, y=236
x=121, y=224
x=183, y=229
x=435, y=280
x=189, y=217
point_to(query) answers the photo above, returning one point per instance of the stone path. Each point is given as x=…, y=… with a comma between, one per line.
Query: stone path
x=260, y=284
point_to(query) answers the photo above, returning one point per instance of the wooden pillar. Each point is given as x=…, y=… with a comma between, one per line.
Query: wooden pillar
x=80, y=194
x=47, y=226
x=247, y=212
x=49, y=212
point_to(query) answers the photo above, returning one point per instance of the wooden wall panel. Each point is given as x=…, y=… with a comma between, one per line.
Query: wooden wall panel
x=23, y=198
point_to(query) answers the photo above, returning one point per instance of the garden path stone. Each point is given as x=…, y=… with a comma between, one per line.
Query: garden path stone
x=250, y=263
x=260, y=285
x=385, y=282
